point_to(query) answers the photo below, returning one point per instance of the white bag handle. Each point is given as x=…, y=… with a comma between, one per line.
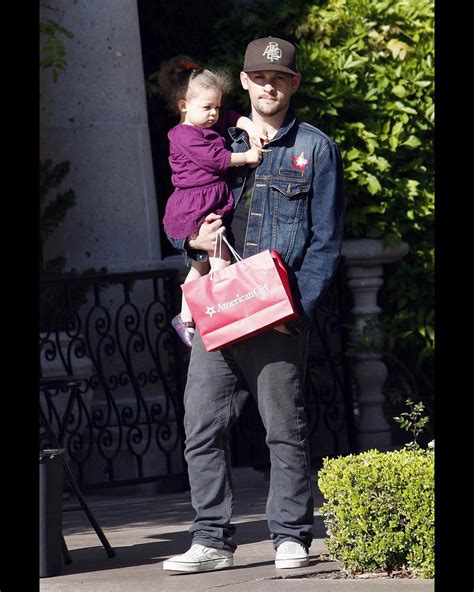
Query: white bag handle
x=221, y=237
x=231, y=249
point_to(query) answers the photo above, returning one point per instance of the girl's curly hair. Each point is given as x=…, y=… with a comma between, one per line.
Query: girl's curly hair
x=181, y=78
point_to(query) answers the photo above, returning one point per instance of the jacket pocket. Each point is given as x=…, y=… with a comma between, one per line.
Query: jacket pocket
x=288, y=199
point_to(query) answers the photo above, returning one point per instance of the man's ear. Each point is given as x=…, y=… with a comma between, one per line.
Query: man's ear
x=182, y=105
x=244, y=80
x=295, y=82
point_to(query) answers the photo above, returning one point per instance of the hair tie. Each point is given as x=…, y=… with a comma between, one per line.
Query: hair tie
x=190, y=66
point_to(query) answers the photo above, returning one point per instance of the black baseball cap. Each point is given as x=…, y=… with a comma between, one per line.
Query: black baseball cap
x=270, y=53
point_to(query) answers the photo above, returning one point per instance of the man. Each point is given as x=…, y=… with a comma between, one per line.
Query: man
x=292, y=202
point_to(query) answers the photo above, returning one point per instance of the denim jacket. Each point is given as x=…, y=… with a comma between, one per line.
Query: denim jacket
x=297, y=208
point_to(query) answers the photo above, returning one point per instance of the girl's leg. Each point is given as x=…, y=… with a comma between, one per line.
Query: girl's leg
x=183, y=322
x=198, y=269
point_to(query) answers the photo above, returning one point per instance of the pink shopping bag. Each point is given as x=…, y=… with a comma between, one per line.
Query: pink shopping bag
x=241, y=300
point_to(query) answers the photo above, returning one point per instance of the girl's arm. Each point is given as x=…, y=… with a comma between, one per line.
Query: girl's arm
x=229, y=118
x=211, y=154
x=251, y=156
x=206, y=151
x=258, y=135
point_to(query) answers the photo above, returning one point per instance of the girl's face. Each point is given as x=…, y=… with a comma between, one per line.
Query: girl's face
x=201, y=109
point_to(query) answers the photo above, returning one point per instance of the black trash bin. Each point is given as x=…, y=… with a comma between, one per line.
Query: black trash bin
x=50, y=511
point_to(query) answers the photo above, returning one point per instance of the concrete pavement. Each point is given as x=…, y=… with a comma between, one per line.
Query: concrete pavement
x=145, y=531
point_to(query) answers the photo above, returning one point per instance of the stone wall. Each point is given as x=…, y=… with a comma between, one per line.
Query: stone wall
x=95, y=116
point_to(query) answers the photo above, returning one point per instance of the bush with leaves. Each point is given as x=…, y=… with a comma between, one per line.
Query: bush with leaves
x=369, y=71
x=379, y=511
x=368, y=67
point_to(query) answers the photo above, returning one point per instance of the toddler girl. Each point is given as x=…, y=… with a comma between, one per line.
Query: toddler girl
x=199, y=161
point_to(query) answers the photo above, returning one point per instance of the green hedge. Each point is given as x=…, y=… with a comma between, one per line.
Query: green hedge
x=379, y=510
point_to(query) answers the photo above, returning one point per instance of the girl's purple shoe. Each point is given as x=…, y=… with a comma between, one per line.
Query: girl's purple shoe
x=182, y=328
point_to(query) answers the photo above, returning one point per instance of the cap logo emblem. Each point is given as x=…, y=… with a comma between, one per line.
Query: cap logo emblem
x=272, y=51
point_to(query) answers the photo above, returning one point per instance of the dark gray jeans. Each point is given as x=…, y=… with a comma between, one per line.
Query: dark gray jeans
x=272, y=367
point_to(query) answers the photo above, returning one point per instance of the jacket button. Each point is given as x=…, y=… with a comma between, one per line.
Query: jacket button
x=239, y=179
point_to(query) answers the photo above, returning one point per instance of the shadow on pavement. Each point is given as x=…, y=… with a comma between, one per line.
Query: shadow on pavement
x=169, y=543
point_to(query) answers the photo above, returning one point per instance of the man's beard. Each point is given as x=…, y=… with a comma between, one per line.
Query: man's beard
x=269, y=108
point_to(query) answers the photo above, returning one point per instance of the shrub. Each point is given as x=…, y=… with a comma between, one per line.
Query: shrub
x=379, y=510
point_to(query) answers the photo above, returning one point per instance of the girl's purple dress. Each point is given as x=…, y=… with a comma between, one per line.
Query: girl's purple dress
x=199, y=162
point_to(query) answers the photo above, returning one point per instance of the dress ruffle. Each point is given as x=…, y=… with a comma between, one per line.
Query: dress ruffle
x=187, y=208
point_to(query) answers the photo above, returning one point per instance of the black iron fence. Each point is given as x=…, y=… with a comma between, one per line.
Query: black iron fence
x=126, y=426
x=113, y=332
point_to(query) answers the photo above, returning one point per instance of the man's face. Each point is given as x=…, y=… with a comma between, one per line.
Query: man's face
x=270, y=91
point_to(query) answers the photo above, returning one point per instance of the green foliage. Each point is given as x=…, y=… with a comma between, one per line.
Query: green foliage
x=53, y=50
x=368, y=67
x=379, y=510
x=367, y=82
x=413, y=421
x=52, y=213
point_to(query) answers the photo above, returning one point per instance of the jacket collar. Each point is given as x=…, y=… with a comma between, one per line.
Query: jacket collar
x=288, y=123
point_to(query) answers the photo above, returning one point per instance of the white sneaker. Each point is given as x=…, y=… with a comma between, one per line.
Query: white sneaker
x=291, y=554
x=200, y=558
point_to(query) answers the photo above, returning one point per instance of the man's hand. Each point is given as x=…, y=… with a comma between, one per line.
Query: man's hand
x=206, y=237
x=281, y=329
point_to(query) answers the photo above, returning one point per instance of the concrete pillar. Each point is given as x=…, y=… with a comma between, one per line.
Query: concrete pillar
x=95, y=116
x=364, y=260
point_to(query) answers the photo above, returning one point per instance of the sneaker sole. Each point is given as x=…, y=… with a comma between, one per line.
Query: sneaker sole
x=289, y=563
x=198, y=566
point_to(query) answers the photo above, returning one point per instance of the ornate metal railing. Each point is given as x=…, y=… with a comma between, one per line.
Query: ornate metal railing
x=113, y=332
x=126, y=427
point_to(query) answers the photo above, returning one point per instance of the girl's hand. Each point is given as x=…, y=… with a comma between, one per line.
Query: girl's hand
x=258, y=137
x=253, y=156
